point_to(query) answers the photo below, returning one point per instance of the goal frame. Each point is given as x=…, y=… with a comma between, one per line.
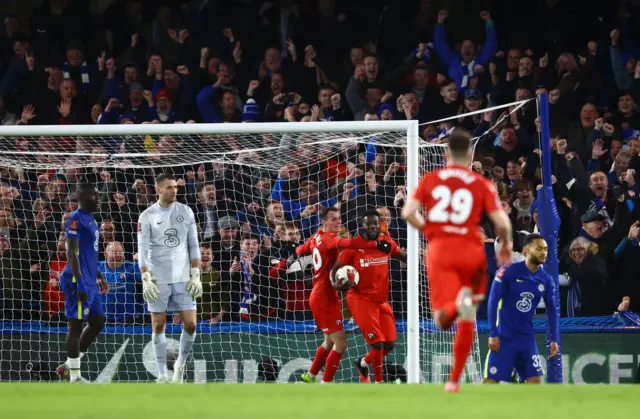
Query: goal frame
x=412, y=173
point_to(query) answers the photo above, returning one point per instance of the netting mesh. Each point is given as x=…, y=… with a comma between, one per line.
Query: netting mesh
x=254, y=196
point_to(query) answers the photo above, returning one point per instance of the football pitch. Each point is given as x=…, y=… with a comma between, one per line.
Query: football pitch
x=351, y=401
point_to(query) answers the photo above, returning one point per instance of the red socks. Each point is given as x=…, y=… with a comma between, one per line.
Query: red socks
x=333, y=362
x=374, y=358
x=318, y=360
x=461, y=348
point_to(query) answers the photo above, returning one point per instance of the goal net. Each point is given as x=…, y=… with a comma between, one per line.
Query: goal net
x=256, y=190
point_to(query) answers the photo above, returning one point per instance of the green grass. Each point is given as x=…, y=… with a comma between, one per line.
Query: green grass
x=348, y=401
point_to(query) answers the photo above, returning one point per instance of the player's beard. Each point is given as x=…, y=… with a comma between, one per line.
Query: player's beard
x=536, y=261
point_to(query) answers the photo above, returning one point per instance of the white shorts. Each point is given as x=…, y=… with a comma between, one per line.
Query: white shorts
x=173, y=298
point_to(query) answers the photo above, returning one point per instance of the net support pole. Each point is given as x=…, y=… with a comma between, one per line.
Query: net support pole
x=413, y=262
x=549, y=225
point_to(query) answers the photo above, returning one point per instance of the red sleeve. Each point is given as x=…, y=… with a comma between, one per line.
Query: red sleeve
x=276, y=271
x=394, y=246
x=304, y=249
x=422, y=191
x=346, y=256
x=356, y=244
x=491, y=200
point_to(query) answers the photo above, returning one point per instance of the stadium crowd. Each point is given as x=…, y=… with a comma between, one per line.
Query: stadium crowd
x=275, y=61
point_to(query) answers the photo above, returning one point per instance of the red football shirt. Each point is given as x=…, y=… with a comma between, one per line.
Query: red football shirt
x=373, y=267
x=324, y=249
x=455, y=200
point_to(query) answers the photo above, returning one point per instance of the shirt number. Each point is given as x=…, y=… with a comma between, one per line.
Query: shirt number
x=450, y=207
x=317, y=259
x=171, y=238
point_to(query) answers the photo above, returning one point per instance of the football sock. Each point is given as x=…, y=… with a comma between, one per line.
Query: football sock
x=186, y=344
x=333, y=362
x=461, y=348
x=160, y=348
x=74, y=367
x=374, y=358
x=318, y=361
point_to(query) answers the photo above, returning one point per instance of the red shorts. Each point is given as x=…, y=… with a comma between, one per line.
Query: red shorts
x=449, y=269
x=327, y=313
x=375, y=319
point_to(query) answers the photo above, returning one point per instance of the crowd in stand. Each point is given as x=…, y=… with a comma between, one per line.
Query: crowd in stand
x=277, y=61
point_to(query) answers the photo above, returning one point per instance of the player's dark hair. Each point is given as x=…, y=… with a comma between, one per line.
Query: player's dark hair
x=83, y=188
x=530, y=238
x=371, y=213
x=325, y=211
x=459, y=143
x=164, y=176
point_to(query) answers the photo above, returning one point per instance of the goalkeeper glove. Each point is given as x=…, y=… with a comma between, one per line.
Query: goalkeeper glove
x=150, y=291
x=194, y=286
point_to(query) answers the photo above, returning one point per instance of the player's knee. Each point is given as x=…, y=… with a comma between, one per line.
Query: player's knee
x=158, y=329
x=97, y=323
x=388, y=346
x=340, y=344
x=75, y=327
x=189, y=327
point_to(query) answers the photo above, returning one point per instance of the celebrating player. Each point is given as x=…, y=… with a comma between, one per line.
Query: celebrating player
x=511, y=340
x=169, y=259
x=324, y=301
x=455, y=199
x=81, y=282
x=368, y=301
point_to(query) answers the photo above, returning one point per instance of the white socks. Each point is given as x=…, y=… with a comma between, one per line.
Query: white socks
x=186, y=344
x=74, y=368
x=363, y=363
x=160, y=348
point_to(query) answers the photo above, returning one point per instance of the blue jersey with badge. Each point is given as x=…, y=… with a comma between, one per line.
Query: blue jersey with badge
x=122, y=300
x=514, y=296
x=82, y=226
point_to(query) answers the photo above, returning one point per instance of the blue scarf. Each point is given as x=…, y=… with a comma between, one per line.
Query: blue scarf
x=84, y=73
x=573, y=299
x=247, y=296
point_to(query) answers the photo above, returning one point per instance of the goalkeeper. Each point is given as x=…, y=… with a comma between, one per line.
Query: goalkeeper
x=515, y=294
x=169, y=259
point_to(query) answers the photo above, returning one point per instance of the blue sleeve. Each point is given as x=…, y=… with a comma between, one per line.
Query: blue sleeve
x=490, y=44
x=498, y=288
x=593, y=165
x=276, y=192
x=206, y=107
x=111, y=89
x=152, y=114
x=292, y=208
x=621, y=247
x=552, y=309
x=623, y=79
x=157, y=85
x=445, y=54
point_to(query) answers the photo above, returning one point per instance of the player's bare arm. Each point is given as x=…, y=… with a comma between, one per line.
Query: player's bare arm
x=411, y=213
x=502, y=225
x=103, y=285
x=401, y=255
x=73, y=245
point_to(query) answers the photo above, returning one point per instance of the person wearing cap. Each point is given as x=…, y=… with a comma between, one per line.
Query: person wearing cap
x=76, y=68
x=251, y=111
x=163, y=111
x=225, y=244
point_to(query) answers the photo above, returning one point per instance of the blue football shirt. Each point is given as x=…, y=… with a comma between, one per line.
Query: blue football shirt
x=82, y=225
x=514, y=296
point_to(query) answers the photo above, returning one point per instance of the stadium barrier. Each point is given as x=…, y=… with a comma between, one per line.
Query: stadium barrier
x=596, y=350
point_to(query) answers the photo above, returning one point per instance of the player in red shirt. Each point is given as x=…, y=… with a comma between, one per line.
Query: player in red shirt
x=454, y=201
x=324, y=300
x=369, y=300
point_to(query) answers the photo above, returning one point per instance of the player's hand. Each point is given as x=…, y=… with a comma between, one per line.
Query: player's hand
x=103, y=285
x=494, y=344
x=194, y=286
x=384, y=246
x=504, y=254
x=82, y=296
x=150, y=291
x=554, y=349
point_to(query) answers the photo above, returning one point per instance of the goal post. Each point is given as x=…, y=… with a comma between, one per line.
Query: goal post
x=25, y=148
